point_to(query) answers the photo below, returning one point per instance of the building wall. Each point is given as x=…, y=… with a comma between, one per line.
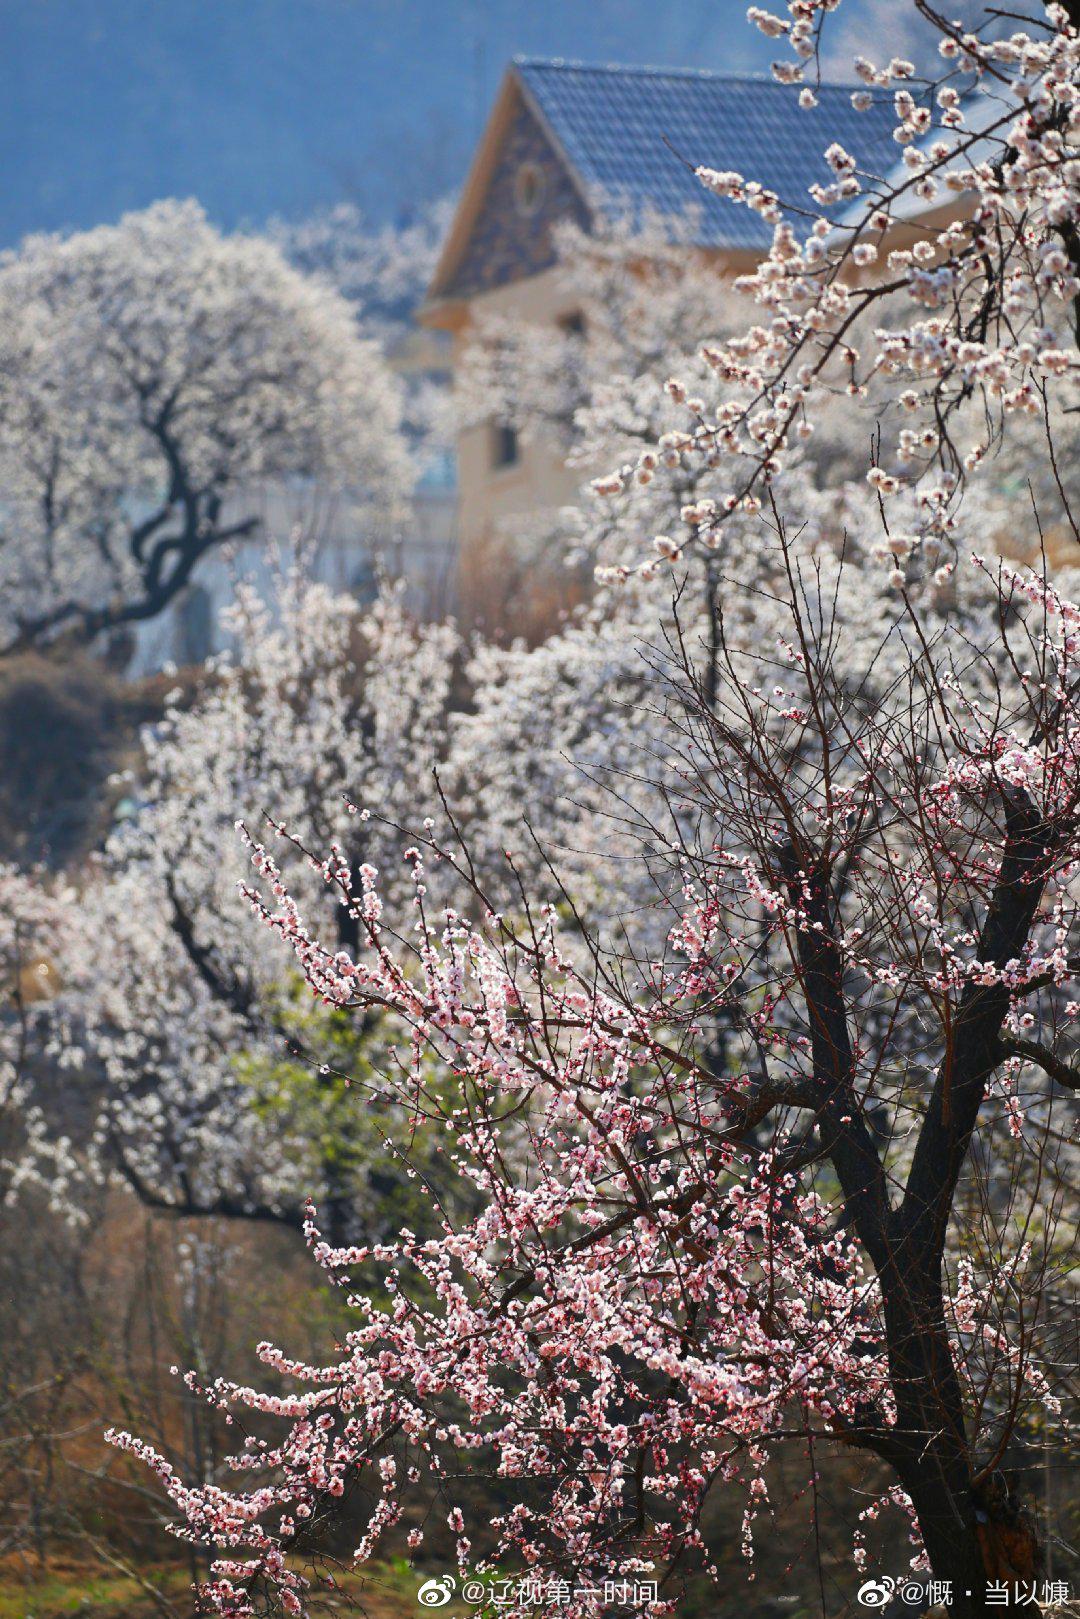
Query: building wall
x=490, y=496
x=528, y=193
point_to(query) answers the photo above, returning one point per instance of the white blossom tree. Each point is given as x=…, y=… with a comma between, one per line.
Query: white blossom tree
x=152, y=374
x=215, y=1081
x=384, y=272
x=36, y=916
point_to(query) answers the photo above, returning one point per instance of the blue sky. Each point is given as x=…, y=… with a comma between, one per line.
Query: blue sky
x=259, y=107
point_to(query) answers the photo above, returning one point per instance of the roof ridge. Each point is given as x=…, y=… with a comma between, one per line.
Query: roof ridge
x=656, y=71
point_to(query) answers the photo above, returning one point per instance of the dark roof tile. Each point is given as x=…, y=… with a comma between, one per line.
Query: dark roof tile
x=630, y=133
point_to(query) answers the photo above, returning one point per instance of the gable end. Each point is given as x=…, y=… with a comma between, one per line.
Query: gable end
x=530, y=191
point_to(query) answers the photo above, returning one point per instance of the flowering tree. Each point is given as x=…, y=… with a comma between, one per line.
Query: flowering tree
x=561, y=758
x=384, y=272
x=152, y=373
x=35, y=918
x=992, y=288
x=794, y=1174
x=665, y=1289
x=217, y=1094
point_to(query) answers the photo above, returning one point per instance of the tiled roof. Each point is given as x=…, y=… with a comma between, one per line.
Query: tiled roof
x=613, y=125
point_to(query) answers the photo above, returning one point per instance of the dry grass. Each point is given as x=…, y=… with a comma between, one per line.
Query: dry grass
x=97, y=1591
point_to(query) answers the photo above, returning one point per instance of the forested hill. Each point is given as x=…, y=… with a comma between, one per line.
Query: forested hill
x=259, y=107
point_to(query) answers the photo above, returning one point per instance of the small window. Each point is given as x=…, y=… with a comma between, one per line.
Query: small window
x=505, y=450
x=529, y=188
x=573, y=325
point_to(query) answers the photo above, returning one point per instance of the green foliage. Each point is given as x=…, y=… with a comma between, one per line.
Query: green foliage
x=378, y=1163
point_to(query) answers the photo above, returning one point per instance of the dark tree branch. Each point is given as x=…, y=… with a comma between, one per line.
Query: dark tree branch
x=845, y=1135
x=975, y=1048
x=227, y=988
x=1060, y=1072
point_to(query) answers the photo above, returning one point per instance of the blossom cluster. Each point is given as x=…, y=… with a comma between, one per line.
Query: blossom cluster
x=967, y=242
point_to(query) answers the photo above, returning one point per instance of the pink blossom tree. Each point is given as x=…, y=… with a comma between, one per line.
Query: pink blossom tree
x=792, y=1174
x=744, y=1156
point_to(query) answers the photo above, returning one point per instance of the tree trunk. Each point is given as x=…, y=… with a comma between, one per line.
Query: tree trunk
x=975, y=1536
x=974, y=1533
x=945, y=1510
